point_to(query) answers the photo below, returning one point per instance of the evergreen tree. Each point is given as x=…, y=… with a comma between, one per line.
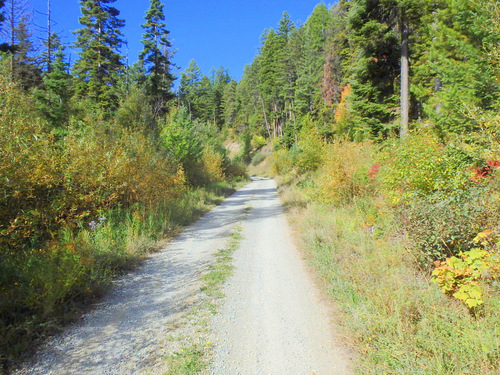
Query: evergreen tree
x=271, y=79
x=337, y=60
x=375, y=68
x=17, y=17
x=189, y=86
x=455, y=76
x=24, y=67
x=220, y=79
x=99, y=64
x=53, y=98
x=312, y=60
x=252, y=113
x=155, y=57
x=230, y=104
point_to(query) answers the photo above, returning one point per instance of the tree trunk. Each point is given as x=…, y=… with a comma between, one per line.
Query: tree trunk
x=405, y=97
x=265, y=118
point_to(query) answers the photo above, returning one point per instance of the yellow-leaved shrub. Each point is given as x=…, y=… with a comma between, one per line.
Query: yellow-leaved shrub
x=345, y=172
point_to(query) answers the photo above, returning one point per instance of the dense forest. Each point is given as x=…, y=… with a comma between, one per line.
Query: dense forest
x=381, y=119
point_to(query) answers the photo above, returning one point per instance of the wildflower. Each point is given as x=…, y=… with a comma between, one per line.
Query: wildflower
x=93, y=225
x=372, y=173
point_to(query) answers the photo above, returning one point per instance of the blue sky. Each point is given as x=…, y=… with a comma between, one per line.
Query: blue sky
x=213, y=33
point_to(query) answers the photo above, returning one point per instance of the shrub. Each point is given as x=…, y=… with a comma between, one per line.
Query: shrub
x=440, y=198
x=344, y=172
x=422, y=165
x=282, y=163
x=257, y=158
x=212, y=165
x=459, y=277
x=258, y=141
x=310, y=145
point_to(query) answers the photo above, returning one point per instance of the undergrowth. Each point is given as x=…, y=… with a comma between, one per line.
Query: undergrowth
x=399, y=322
x=357, y=213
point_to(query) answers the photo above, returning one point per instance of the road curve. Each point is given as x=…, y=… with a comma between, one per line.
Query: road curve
x=272, y=320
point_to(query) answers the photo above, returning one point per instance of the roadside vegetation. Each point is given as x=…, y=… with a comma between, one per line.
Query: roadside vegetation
x=378, y=118
x=193, y=352
x=393, y=180
x=98, y=167
x=418, y=295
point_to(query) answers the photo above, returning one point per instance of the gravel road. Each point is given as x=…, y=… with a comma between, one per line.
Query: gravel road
x=271, y=322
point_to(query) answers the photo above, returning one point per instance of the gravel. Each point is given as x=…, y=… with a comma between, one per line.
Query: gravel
x=127, y=333
x=273, y=320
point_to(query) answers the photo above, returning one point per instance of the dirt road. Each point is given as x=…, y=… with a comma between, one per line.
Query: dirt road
x=270, y=323
x=272, y=320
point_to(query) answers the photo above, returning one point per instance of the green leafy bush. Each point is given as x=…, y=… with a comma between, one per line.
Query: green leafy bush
x=257, y=158
x=460, y=276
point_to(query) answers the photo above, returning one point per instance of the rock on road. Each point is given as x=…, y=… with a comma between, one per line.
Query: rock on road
x=271, y=321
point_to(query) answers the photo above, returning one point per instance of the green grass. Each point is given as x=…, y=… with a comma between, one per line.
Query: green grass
x=222, y=269
x=187, y=361
x=397, y=320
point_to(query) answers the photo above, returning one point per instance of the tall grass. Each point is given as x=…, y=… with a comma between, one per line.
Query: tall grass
x=399, y=322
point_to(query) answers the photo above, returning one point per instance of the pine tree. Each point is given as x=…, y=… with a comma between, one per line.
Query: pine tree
x=271, y=79
x=53, y=98
x=220, y=79
x=311, y=62
x=155, y=57
x=454, y=70
x=230, y=104
x=99, y=64
x=189, y=87
x=16, y=13
x=24, y=67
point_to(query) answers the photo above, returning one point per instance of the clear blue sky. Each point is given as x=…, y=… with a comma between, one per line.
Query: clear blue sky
x=213, y=33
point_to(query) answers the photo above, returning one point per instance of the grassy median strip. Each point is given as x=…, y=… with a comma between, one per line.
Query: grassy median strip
x=192, y=352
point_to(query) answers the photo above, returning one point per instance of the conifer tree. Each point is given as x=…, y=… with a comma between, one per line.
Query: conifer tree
x=99, y=64
x=16, y=16
x=230, y=104
x=4, y=47
x=271, y=79
x=220, y=79
x=53, y=99
x=313, y=58
x=456, y=54
x=189, y=87
x=24, y=67
x=155, y=57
